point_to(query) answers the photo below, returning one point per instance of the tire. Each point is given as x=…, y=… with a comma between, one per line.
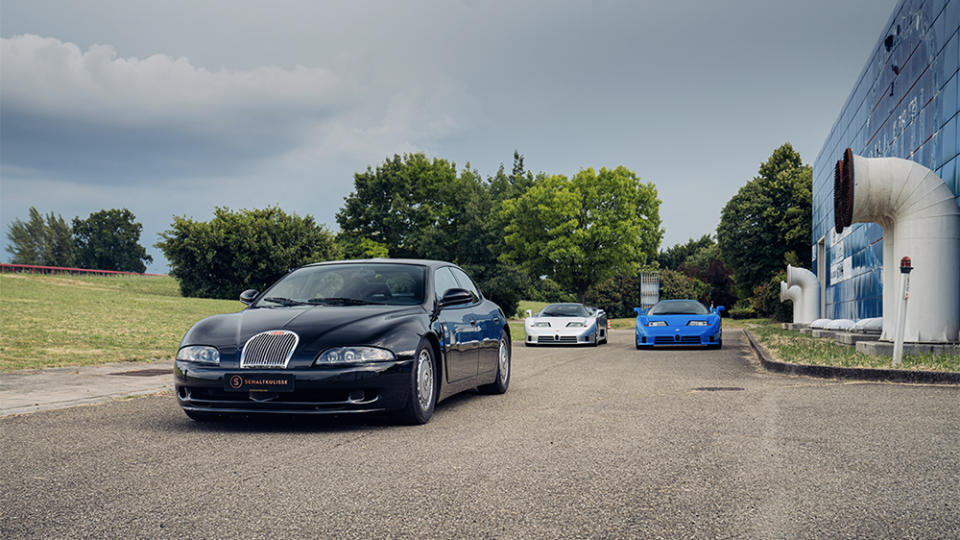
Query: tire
x=502, y=382
x=197, y=416
x=637, y=345
x=422, y=398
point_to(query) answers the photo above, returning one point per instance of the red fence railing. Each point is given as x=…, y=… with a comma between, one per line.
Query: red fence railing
x=36, y=269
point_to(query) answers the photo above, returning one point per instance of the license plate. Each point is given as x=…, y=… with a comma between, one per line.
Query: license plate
x=251, y=382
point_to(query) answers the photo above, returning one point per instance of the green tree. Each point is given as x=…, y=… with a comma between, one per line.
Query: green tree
x=766, y=220
x=676, y=285
x=110, y=240
x=412, y=206
x=706, y=265
x=242, y=250
x=674, y=256
x=408, y=204
x=39, y=241
x=583, y=230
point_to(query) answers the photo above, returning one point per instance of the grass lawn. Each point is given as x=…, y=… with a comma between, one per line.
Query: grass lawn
x=797, y=348
x=70, y=320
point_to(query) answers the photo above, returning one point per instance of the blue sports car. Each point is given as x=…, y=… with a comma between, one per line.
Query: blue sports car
x=675, y=323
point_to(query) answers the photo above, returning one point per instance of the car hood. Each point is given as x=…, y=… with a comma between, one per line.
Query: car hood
x=680, y=320
x=561, y=322
x=317, y=326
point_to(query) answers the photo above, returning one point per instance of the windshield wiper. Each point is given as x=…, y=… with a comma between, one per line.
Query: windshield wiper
x=283, y=301
x=336, y=300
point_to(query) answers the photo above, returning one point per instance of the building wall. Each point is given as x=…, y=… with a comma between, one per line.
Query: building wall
x=905, y=105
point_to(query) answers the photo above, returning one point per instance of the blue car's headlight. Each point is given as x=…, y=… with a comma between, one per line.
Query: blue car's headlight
x=657, y=323
x=697, y=323
x=354, y=355
x=541, y=324
x=200, y=354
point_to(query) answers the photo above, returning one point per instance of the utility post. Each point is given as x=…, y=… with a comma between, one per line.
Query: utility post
x=905, y=269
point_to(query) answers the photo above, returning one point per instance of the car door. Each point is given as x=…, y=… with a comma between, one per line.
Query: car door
x=487, y=324
x=458, y=324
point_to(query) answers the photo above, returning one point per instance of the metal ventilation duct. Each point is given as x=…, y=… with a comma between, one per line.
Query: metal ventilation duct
x=792, y=294
x=920, y=219
x=809, y=294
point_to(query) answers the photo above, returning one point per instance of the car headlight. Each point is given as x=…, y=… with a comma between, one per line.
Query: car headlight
x=200, y=354
x=575, y=324
x=354, y=355
x=697, y=323
x=657, y=323
x=541, y=324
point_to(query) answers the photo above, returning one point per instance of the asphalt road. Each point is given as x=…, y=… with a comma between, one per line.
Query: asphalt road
x=588, y=442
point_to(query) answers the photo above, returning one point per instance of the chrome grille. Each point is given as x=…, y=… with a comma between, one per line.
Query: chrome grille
x=270, y=349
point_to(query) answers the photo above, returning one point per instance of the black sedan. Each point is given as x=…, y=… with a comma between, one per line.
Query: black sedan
x=347, y=337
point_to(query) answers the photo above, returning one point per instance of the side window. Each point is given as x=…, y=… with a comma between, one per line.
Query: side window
x=466, y=282
x=443, y=280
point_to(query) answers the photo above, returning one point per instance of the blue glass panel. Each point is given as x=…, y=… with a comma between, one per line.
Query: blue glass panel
x=948, y=141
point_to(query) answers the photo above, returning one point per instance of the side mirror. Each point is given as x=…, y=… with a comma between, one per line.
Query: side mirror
x=456, y=296
x=529, y=313
x=721, y=308
x=640, y=311
x=249, y=295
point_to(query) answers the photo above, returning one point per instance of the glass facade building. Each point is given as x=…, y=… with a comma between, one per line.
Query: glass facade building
x=904, y=105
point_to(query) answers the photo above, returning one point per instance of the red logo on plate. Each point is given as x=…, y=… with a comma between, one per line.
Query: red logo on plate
x=277, y=333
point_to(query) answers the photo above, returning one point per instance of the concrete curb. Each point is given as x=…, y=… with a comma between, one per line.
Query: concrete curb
x=863, y=374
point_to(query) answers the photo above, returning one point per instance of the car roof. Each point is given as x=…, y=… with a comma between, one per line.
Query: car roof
x=418, y=262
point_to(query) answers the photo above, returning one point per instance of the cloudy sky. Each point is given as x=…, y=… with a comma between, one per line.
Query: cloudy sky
x=175, y=107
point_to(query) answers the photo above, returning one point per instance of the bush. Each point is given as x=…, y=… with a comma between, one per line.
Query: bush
x=742, y=313
x=548, y=290
x=248, y=249
x=617, y=296
x=766, y=300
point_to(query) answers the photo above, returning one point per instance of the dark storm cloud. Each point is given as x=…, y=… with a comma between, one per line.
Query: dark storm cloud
x=92, y=116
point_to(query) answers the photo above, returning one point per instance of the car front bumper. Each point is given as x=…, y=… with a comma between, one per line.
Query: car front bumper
x=366, y=388
x=690, y=336
x=561, y=336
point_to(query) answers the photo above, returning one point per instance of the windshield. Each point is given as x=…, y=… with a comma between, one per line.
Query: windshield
x=348, y=284
x=564, y=310
x=678, y=307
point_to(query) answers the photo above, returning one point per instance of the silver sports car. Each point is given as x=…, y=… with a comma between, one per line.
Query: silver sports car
x=566, y=324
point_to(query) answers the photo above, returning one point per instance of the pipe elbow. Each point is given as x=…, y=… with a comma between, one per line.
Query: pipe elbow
x=802, y=277
x=789, y=292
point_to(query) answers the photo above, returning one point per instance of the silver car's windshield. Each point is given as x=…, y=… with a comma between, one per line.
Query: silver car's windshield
x=565, y=310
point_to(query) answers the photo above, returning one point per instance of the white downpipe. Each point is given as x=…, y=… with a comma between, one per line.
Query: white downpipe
x=809, y=293
x=920, y=219
x=792, y=294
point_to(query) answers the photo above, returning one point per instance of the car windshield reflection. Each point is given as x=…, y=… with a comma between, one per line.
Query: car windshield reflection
x=678, y=307
x=348, y=284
